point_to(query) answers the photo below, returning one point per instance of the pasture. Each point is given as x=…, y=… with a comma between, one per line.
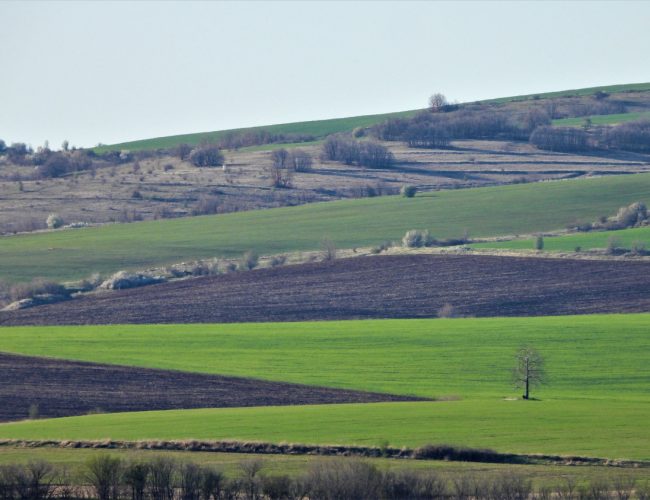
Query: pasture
x=75, y=254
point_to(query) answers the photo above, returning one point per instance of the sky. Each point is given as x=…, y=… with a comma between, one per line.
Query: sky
x=106, y=72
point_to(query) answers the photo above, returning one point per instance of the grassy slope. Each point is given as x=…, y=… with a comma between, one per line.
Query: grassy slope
x=317, y=128
x=321, y=128
x=595, y=404
x=490, y=211
x=602, y=119
x=586, y=241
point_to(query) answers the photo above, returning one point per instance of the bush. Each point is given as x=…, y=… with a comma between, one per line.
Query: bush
x=37, y=286
x=416, y=238
x=539, y=243
x=54, y=221
x=328, y=249
x=632, y=215
x=248, y=261
x=300, y=160
x=207, y=156
x=135, y=476
x=339, y=147
x=408, y=191
x=122, y=280
x=161, y=478
x=278, y=260
x=345, y=480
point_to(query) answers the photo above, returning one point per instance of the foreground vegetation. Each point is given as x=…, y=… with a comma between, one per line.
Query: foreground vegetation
x=75, y=254
x=109, y=477
x=75, y=462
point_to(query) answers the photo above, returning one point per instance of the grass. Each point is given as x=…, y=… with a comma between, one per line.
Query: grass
x=316, y=128
x=595, y=403
x=74, y=254
x=75, y=459
x=322, y=128
x=598, y=357
x=586, y=241
x=602, y=119
x=616, y=429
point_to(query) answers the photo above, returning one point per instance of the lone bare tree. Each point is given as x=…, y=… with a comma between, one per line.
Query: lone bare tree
x=529, y=369
x=437, y=103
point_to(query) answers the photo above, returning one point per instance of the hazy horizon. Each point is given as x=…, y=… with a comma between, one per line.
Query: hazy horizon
x=114, y=71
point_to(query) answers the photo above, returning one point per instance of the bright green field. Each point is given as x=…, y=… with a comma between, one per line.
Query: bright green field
x=73, y=254
x=586, y=241
x=610, y=89
x=602, y=119
x=601, y=356
x=596, y=402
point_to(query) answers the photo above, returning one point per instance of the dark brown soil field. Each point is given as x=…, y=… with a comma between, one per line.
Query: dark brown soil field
x=369, y=287
x=63, y=388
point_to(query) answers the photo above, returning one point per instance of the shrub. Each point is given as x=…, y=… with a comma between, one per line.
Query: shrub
x=632, y=215
x=344, y=479
x=446, y=311
x=33, y=411
x=328, y=249
x=613, y=246
x=248, y=261
x=37, y=286
x=416, y=238
x=277, y=487
x=408, y=191
x=300, y=160
x=278, y=260
x=539, y=243
x=207, y=156
x=54, y=221
x=122, y=280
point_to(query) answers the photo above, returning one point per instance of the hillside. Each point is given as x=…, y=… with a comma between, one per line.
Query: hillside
x=515, y=209
x=321, y=128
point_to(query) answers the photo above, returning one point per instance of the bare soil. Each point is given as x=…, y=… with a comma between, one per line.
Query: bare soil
x=406, y=286
x=63, y=388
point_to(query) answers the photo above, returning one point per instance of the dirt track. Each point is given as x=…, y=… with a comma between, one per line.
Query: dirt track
x=369, y=287
x=62, y=388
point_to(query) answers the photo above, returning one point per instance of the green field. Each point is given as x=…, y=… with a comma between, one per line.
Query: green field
x=73, y=254
x=602, y=119
x=586, y=241
x=595, y=403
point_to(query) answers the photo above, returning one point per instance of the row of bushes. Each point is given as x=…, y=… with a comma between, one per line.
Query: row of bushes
x=417, y=238
x=345, y=149
x=110, y=478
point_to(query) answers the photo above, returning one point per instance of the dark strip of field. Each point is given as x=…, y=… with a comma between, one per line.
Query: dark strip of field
x=369, y=287
x=63, y=388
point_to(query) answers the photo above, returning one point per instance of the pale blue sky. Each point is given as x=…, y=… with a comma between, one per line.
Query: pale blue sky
x=113, y=71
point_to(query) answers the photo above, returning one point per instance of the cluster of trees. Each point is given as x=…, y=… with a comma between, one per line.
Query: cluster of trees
x=563, y=139
x=285, y=163
x=632, y=136
x=371, y=154
x=436, y=130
